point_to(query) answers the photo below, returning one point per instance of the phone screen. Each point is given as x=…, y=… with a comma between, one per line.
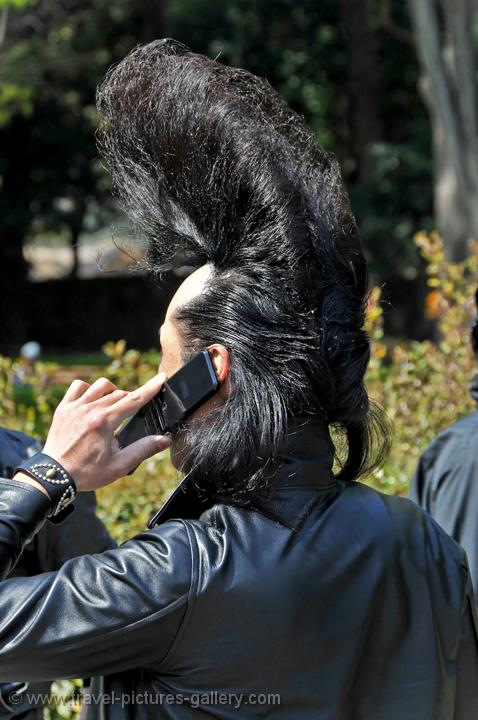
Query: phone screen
x=188, y=388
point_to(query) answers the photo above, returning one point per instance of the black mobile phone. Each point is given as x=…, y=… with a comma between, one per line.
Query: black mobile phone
x=185, y=391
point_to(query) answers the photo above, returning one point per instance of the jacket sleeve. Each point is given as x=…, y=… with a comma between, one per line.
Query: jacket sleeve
x=98, y=614
x=446, y=485
x=81, y=533
x=466, y=698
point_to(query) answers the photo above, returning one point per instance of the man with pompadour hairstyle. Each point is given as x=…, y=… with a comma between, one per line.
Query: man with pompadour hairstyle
x=269, y=585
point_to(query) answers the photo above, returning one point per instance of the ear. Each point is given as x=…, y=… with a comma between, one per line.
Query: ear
x=221, y=361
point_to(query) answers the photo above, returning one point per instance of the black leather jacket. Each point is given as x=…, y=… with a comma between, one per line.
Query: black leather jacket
x=355, y=606
x=80, y=533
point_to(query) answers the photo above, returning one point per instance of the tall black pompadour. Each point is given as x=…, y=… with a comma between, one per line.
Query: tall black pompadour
x=212, y=166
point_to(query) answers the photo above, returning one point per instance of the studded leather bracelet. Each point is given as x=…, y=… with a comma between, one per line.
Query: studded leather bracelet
x=56, y=480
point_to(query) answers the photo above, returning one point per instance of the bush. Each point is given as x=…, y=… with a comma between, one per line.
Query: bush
x=424, y=385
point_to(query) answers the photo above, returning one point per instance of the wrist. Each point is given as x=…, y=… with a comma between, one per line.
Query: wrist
x=23, y=477
x=53, y=478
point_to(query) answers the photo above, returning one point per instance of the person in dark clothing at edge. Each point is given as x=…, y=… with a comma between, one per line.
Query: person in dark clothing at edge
x=81, y=533
x=287, y=591
x=446, y=479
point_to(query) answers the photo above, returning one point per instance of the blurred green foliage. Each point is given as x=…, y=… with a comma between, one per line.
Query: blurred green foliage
x=424, y=385
x=67, y=696
x=15, y=3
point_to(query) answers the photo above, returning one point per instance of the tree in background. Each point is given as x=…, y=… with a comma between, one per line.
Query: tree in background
x=52, y=56
x=344, y=65
x=444, y=32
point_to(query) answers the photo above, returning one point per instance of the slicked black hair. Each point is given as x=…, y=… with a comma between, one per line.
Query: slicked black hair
x=213, y=167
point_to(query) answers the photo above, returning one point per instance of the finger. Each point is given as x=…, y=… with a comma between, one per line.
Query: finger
x=133, y=455
x=112, y=397
x=135, y=400
x=100, y=387
x=76, y=390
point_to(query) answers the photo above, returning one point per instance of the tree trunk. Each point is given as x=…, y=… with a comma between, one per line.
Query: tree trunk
x=151, y=15
x=363, y=81
x=13, y=302
x=16, y=217
x=449, y=88
x=76, y=226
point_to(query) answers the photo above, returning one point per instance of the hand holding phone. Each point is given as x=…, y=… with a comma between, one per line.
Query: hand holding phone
x=183, y=393
x=83, y=424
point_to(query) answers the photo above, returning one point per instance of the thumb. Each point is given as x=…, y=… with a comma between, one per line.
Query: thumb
x=133, y=455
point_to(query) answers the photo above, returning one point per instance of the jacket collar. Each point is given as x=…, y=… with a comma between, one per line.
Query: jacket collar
x=309, y=454
x=306, y=464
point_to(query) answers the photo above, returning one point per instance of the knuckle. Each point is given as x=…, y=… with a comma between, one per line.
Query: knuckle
x=59, y=411
x=120, y=394
x=135, y=396
x=105, y=383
